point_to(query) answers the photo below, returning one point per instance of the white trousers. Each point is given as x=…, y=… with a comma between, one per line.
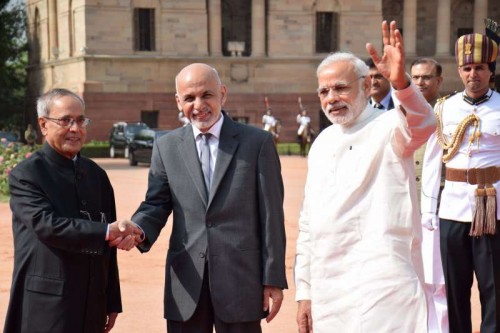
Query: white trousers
x=437, y=309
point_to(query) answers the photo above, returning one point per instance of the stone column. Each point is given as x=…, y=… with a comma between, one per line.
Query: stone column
x=480, y=13
x=53, y=38
x=215, y=27
x=443, y=28
x=410, y=26
x=258, y=28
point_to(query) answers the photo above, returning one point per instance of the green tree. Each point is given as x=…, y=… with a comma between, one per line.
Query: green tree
x=13, y=62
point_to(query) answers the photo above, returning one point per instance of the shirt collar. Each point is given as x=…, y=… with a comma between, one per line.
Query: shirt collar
x=214, y=130
x=479, y=100
x=385, y=101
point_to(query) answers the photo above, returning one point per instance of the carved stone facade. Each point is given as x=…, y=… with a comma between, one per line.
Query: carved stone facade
x=122, y=56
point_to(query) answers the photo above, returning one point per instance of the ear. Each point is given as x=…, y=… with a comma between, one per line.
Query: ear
x=42, y=123
x=440, y=81
x=223, y=91
x=178, y=100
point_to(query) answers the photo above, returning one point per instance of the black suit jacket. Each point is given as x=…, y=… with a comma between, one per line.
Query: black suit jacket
x=65, y=276
x=239, y=231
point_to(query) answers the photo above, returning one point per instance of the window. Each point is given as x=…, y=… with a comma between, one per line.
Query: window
x=144, y=29
x=236, y=27
x=326, y=32
x=150, y=118
x=239, y=119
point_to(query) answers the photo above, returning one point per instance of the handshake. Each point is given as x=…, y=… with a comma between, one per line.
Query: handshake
x=124, y=235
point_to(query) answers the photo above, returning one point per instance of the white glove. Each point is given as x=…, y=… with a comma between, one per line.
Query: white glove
x=430, y=221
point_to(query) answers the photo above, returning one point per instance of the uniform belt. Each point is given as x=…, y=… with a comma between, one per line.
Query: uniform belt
x=480, y=176
x=484, y=219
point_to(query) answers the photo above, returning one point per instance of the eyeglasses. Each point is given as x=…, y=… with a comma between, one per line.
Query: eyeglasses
x=67, y=122
x=339, y=89
x=425, y=78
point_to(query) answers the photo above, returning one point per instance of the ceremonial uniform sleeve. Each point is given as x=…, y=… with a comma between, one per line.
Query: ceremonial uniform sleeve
x=431, y=176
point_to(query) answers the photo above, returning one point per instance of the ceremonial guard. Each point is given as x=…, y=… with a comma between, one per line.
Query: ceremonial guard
x=467, y=140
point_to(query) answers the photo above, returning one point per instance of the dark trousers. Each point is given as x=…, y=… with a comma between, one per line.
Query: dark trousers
x=462, y=256
x=204, y=319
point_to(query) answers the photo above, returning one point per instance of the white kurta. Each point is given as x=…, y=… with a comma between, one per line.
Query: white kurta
x=358, y=250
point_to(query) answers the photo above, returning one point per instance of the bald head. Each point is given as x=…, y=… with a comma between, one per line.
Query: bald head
x=198, y=71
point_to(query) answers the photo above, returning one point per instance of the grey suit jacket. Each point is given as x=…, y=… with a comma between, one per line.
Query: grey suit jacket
x=239, y=231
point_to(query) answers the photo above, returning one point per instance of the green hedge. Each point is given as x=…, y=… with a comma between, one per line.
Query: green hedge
x=101, y=149
x=95, y=149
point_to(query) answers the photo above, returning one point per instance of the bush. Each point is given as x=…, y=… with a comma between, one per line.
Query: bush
x=95, y=149
x=10, y=156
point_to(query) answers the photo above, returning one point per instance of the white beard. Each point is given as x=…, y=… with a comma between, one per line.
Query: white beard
x=352, y=112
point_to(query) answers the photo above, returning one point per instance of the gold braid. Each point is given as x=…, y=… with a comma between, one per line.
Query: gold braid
x=450, y=148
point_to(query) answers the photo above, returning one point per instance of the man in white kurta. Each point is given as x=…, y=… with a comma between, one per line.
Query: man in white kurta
x=358, y=264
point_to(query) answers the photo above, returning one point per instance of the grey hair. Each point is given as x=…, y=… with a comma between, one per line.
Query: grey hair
x=44, y=102
x=360, y=68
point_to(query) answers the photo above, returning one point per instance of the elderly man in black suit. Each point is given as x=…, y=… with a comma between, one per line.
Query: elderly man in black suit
x=222, y=181
x=65, y=274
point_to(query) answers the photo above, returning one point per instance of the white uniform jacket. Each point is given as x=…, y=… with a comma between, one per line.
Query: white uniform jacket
x=358, y=250
x=457, y=199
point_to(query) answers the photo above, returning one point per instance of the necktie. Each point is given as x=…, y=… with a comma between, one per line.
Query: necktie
x=378, y=106
x=205, y=159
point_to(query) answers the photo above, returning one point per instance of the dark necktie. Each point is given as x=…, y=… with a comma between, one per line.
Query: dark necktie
x=378, y=106
x=205, y=159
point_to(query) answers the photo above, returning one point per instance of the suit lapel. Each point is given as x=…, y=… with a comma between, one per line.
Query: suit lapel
x=225, y=153
x=189, y=154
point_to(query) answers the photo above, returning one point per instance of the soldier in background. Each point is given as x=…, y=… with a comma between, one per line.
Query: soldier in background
x=467, y=141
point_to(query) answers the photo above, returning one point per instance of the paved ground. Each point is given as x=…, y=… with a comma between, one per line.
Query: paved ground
x=142, y=275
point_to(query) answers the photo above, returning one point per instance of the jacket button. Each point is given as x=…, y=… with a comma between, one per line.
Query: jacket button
x=202, y=255
x=84, y=202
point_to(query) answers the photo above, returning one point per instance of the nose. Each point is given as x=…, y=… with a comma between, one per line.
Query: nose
x=73, y=126
x=333, y=96
x=198, y=103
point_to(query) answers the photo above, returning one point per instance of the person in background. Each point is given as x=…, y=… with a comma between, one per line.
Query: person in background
x=30, y=135
x=426, y=75
x=358, y=265
x=467, y=141
x=380, y=91
x=65, y=272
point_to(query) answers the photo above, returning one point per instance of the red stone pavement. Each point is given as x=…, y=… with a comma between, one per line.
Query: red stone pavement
x=142, y=275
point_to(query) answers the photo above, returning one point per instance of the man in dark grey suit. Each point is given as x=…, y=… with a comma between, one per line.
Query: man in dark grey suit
x=226, y=258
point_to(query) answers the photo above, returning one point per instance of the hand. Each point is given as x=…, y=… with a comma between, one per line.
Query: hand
x=110, y=322
x=304, y=319
x=430, y=221
x=124, y=234
x=276, y=294
x=392, y=63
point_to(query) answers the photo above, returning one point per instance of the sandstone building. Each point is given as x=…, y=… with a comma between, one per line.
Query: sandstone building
x=122, y=56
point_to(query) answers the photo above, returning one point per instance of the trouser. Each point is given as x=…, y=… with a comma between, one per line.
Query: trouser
x=437, y=313
x=462, y=256
x=204, y=318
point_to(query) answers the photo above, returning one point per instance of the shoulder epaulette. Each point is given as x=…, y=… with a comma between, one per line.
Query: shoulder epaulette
x=444, y=98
